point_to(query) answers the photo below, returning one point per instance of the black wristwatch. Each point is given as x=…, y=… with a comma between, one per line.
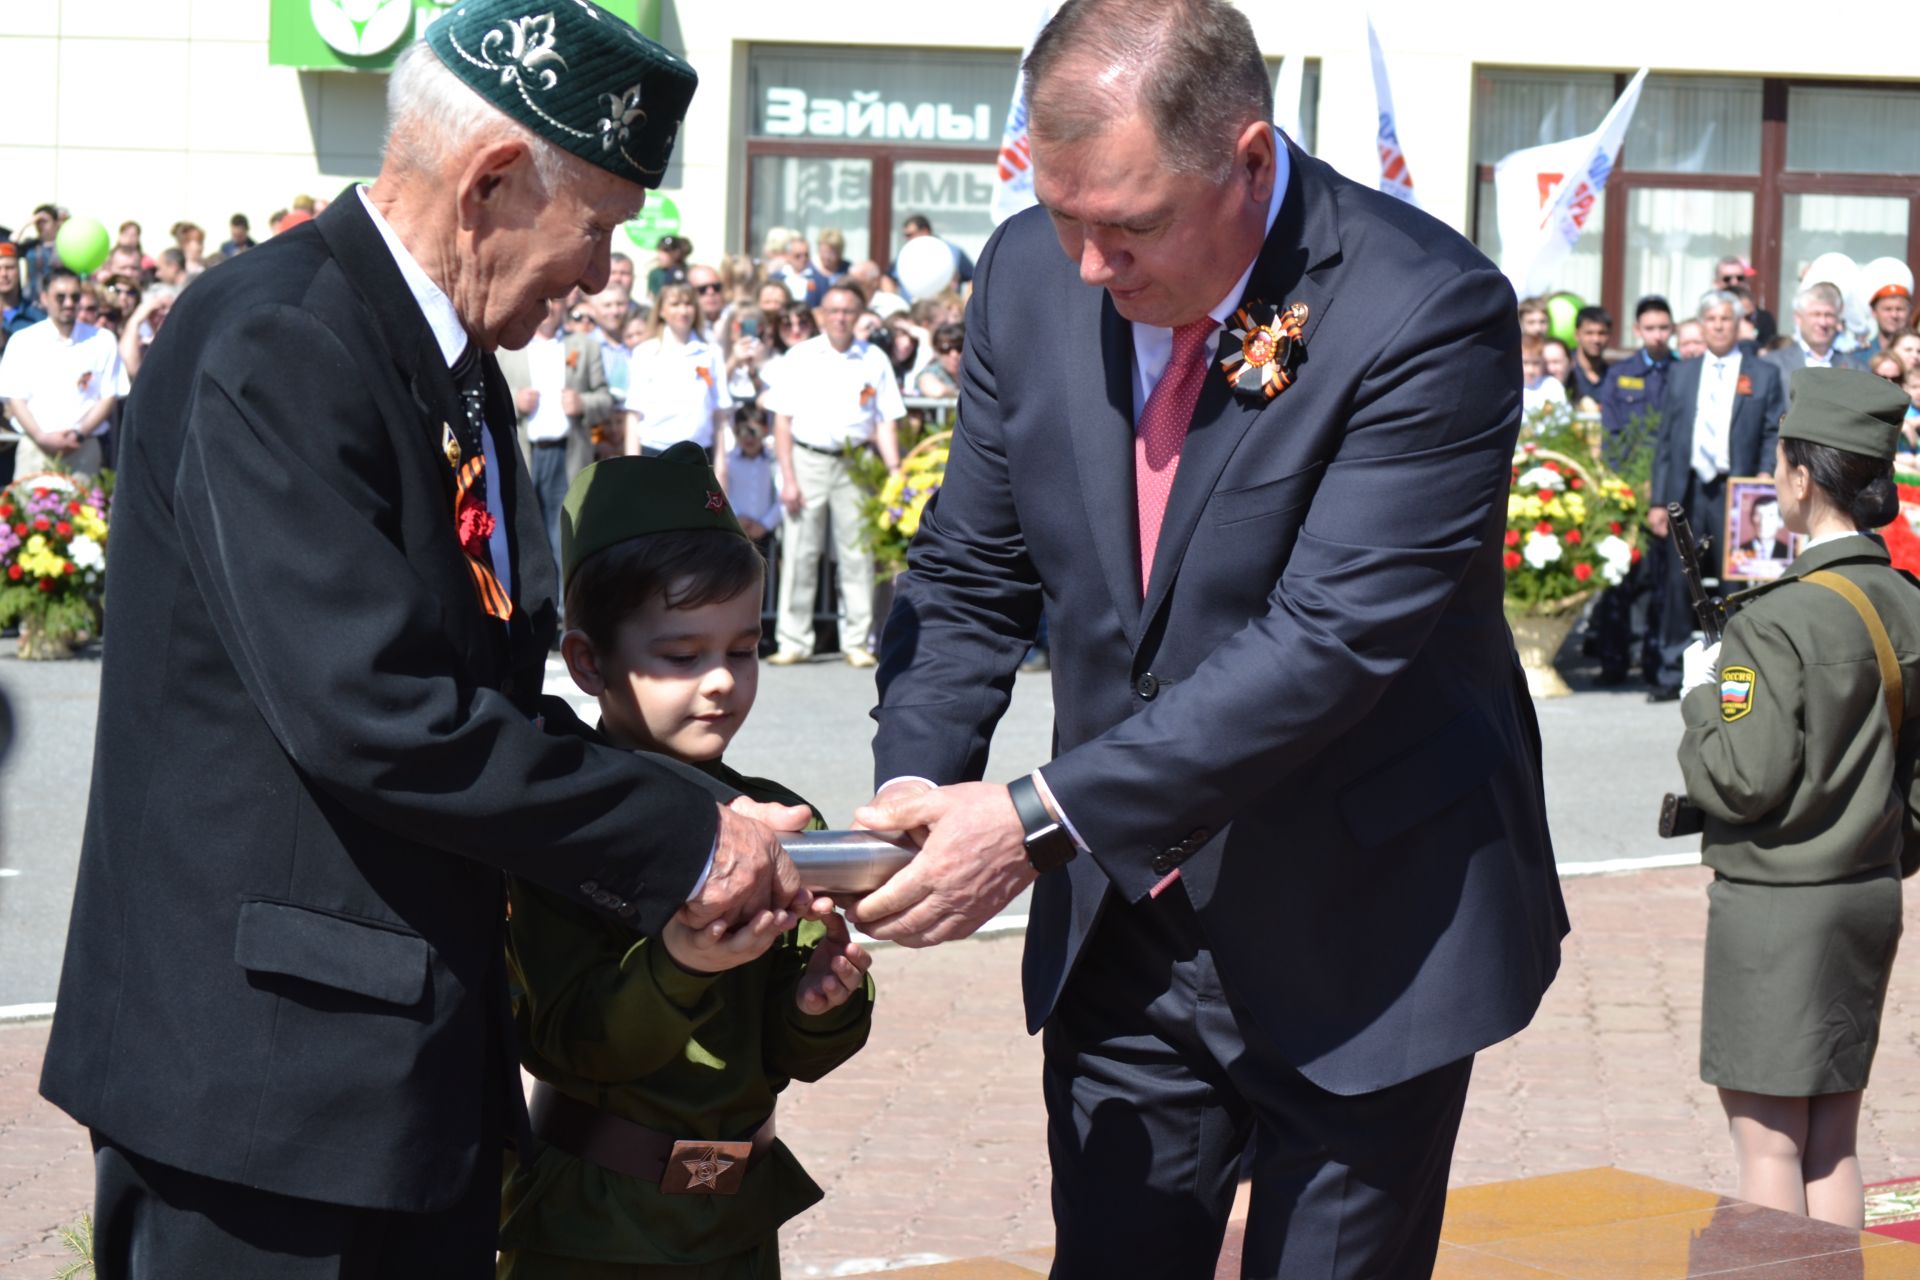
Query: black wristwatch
x=1049, y=845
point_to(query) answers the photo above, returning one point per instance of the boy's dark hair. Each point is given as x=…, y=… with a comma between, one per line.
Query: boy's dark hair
x=1859, y=485
x=687, y=567
x=1652, y=302
x=748, y=414
x=1592, y=315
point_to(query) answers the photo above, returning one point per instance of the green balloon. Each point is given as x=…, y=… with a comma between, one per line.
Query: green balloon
x=1561, y=309
x=83, y=244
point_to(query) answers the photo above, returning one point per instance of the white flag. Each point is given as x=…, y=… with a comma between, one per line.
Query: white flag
x=1545, y=196
x=1395, y=178
x=1013, y=190
x=1286, y=99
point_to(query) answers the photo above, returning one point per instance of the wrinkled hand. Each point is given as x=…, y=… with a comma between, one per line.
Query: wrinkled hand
x=570, y=402
x=835, y=971
x=1657, y=521
x=791, y=498
x=974, y=862
x=878, y=813
x=1699, y=664
x=751, y=872
x=527, y=401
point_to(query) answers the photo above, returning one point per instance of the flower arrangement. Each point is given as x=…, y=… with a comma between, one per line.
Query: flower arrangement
x=1568, y=532
x=53, y=554
x=894, y=503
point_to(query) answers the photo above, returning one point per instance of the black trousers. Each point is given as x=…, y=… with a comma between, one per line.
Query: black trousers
x=155, y=1222
x=1706, y=506
x=1159, y=1093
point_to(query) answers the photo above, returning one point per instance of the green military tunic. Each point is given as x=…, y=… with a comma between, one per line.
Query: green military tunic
x=612, y=1021
x=1791, y=756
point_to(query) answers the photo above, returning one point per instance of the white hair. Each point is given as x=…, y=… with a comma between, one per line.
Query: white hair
x=433, y=116
x=1819, y=291
x=1721, y=298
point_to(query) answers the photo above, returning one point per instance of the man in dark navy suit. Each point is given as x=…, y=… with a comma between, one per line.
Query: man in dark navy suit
x=1290, y=864
x=1630, y=401
x=1720, y=418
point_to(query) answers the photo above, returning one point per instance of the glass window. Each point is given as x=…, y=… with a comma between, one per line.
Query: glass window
x=1862, y=227
x=955, y=198
x=1674, y=237
x=809, y=195
x=1308, y=108
x=1517, y=109
x=920, y=96
x=1846, y=130
x=1579, y=272
x=1695, y=124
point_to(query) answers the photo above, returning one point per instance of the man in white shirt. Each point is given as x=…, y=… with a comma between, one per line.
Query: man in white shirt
x=1816, y=323
x=60, y=379
x=833, y=392
x=559, y=386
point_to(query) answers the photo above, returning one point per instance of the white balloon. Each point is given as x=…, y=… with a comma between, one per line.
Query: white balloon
x=927, y=265
x=1874, y=277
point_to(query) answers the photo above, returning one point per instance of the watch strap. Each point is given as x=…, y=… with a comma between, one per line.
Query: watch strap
x=1049, y=844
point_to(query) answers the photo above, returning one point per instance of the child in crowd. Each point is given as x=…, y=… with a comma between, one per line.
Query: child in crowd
x=657, y=1061
x=1537, y=390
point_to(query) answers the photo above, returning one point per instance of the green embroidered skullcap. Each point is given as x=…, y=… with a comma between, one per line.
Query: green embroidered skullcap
x=573, y=74
x=623, y=498
x=1848, y=409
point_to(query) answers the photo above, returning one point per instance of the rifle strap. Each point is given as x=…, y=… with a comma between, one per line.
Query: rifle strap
x=1890, y=680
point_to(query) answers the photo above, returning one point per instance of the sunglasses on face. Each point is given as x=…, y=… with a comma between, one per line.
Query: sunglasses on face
x=706, y=288
x=796, y=322
x=63, y=299
x=946, y=351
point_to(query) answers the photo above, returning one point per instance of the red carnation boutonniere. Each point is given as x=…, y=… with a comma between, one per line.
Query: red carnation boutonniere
x=86, y=380
x=867, y=396
x=475, y=525
x=705, y=375
x=1271, y=345
x=573, y=359
x=1744, y=387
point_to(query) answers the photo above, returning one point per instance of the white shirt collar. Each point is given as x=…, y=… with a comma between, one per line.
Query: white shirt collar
x=435, y=305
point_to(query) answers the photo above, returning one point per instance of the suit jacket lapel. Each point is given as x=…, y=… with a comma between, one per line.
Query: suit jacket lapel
x=1295, y=265
x=1100, y=413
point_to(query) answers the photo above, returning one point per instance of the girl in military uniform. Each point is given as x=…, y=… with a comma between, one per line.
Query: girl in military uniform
x=1792, y=749
x=657, y=1061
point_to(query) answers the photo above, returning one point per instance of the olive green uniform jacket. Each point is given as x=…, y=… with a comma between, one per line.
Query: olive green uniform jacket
x=1790, y=753
x=617, y=1024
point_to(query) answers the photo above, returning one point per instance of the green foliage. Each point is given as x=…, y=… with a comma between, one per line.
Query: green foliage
x=78, y=1240
x=890, y=520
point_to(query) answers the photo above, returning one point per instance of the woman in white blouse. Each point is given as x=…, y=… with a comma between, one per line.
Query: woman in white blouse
x=677, y=385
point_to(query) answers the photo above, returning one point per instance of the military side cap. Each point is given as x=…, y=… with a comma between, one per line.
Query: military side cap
x=623, y=498
x=1845, y=408
x=573, y=74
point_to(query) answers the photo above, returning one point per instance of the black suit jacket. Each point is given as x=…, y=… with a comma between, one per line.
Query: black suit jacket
x=316, y=755
x=1754, y=429
x=1316, y=712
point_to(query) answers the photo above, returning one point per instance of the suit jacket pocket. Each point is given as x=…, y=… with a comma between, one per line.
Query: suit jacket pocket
x=1422, y=781
x=1269, y=498
x=358, y=956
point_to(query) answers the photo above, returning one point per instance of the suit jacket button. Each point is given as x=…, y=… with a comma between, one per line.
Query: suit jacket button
x=625, y=909
x=1162, y=864
x=589, y=887
x=1148, y=686
x=1198, y=837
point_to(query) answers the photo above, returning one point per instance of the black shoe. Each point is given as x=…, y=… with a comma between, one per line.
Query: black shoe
x=1611, y=677
x=1664, y=693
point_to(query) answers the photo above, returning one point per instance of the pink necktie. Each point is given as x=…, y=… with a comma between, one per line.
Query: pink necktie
x=1163, y=429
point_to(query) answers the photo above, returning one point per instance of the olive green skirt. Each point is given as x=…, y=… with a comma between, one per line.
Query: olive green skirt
x=1796, y=976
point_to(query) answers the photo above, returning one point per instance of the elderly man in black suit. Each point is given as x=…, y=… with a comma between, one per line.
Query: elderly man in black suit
x=283, y=1014
x=1720, y=418
x=1290, y=865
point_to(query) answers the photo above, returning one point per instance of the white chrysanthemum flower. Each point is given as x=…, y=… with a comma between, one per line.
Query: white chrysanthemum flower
x=1617, y=557
x=86, y=553
x=1542, y=478
x=1541, y=550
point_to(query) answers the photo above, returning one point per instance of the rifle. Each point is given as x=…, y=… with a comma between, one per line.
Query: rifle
x=1680, y=816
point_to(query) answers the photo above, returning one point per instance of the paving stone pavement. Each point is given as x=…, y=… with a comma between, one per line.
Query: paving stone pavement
x=931, y=1144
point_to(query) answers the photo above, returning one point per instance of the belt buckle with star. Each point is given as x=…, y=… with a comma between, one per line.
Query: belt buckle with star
x=706, y=1168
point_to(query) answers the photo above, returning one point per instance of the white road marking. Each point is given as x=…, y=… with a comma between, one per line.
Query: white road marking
x=22, y=1012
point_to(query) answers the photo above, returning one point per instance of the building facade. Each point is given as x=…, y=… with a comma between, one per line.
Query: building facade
x=1747, y=140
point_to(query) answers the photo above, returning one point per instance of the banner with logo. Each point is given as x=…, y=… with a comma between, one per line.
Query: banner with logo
x=1013, y=187
x=1545, y=196
x=1395, y=178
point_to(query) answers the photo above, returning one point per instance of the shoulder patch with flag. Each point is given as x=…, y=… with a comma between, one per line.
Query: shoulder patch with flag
x=1738, y=685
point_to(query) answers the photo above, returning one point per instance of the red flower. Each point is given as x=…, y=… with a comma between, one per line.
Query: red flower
x=15, y=572
x=1513, y=537
x=1614, y=527
x=476, y=525
x=39, y=493
x=72, y=568
x=1581, y=572
x=21, y=529
x=46, y=585
x=1636, y=556
x=1511, y=559
x=1552, y=466
x=64, y=529
x=1573, y=482
x=1528, y=448
x=6, y=511
x=1543, y=527
x=42, y=523
x=73, y=508
x=1573, y=535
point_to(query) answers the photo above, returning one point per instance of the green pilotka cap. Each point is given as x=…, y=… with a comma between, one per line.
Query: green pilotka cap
x=623, y=498
x=574, y=75
x=1847, y=409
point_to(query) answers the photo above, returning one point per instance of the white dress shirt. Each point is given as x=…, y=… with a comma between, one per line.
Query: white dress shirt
x=451, y=335
x=834, y=398
x=1713, y=414
x=677, y=387
x=61, y=379
x=547, y=374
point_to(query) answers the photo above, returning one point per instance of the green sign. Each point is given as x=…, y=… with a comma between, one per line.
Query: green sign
x=368, y=35
x=659, y=216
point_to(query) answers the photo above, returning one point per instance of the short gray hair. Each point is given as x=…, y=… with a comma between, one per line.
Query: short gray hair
x=1819, y=291
x=1721, y=298
x=1193, y=67
x=432, y=115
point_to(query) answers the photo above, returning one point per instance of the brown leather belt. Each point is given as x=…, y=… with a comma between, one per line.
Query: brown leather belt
x=682, y=1166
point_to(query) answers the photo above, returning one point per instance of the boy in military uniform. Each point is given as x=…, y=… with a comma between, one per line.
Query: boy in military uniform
x=1794, y=750
x=658, y=1062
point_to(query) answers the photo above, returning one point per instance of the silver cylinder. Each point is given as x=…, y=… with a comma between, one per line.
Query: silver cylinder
x=846, y=862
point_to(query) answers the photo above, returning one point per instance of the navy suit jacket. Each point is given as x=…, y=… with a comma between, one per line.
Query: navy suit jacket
x=1316, y=712
x=1755, y=426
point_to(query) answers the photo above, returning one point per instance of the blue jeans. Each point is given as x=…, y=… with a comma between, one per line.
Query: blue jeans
x=550, y=488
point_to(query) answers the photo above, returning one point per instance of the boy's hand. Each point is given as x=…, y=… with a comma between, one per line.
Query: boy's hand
x=835, y=971
x=714, y=948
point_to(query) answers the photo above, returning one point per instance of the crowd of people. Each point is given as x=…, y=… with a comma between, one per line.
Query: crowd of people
x=668, y=351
